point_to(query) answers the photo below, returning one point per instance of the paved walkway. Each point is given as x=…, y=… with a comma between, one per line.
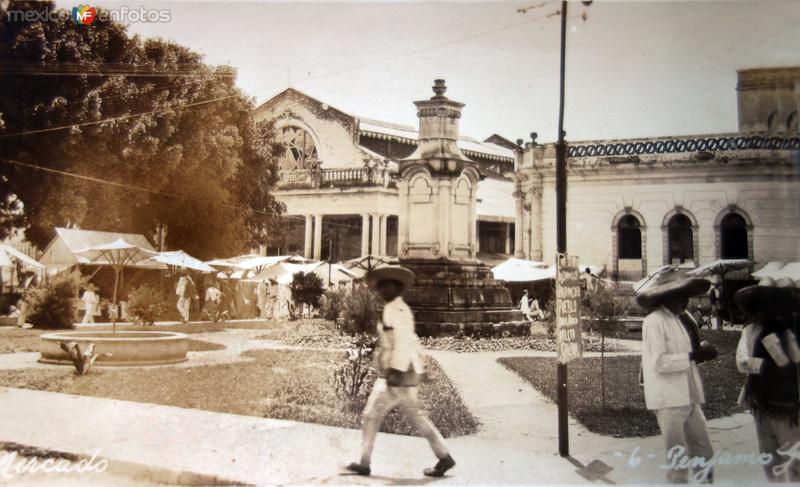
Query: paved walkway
x=512, y=412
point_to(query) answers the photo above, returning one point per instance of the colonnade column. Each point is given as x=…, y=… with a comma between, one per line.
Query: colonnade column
x=365, y=234
x=375, y=249
x=519, y=224
x=383, y=233
x=507, y=246
x=318, y=237
x=308, y=245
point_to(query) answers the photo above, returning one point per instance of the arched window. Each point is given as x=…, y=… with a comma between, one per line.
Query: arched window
x=733, y=237
x=300, y=152
x=629, y=236
x=791, y=122
x=771, y=119
x=680, y=241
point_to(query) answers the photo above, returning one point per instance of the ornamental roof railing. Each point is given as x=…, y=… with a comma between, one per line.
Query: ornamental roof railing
x=672, y=145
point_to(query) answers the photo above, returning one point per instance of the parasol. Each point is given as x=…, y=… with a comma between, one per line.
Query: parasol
x=179, y=258
x=117, y=254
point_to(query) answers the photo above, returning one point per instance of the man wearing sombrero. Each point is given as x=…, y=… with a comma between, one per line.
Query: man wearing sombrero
x=671, y=351
x=768, y=353
x=398, y=364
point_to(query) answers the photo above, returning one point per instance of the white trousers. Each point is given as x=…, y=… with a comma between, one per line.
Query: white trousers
x=383, y=399
x=184, y=305
x=88, y=316
x=684, y=427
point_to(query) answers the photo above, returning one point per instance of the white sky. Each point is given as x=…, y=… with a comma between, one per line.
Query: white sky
x=633, y=68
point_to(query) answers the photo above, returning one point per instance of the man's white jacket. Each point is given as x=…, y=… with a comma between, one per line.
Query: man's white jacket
x=666, y=369
x=398, y=343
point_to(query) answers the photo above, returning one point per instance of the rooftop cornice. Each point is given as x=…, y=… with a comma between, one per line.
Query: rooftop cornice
x=676, y=145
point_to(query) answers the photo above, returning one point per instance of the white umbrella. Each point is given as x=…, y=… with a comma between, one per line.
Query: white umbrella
x=521, y=270
x=260, y=262
x=361, y=265
x=117, y=254
x=179, y=258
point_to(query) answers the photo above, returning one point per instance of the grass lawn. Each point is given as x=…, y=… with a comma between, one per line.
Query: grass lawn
x=296, y=385
x=625, y=414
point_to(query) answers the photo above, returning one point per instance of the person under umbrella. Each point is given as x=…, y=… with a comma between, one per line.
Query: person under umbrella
x=671, y=352
x=768, y=353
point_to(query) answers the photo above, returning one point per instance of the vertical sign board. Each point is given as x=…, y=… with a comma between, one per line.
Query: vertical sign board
x=569, y=343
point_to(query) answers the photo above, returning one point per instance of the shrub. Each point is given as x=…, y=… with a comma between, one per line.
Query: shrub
x=351, y=376
x=53, y=305
x=360, y=311
x=145, y=305
x=307, y=288
x=333, y=304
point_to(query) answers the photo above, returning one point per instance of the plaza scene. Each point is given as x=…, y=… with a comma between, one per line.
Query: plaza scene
x=207, y=280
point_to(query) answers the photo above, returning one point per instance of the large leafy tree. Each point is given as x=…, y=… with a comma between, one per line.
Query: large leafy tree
x=143, y=113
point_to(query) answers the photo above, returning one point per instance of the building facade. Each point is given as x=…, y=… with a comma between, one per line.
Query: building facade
x=635, y=205
x=337, y=179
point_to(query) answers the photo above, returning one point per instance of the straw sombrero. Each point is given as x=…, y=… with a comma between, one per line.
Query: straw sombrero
x=669, y=284
x=390, y=273
x=768, y=296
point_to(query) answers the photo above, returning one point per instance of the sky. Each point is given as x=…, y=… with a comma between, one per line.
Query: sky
x=634, y=69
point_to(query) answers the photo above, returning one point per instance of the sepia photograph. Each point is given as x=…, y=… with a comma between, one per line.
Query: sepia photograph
x=399, y=242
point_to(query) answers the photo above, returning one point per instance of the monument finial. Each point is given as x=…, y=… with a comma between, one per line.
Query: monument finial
x=439, y=88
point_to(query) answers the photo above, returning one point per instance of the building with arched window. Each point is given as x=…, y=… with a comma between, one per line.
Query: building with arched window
x=635, y=205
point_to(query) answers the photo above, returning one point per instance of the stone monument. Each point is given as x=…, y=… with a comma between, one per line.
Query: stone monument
x=454, y=291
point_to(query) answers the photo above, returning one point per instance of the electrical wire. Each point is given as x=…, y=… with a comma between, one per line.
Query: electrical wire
x=122, y=117
x=142, y=189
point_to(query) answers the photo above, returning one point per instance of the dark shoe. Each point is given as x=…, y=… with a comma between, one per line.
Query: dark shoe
x=442, y=466
x=359, y=469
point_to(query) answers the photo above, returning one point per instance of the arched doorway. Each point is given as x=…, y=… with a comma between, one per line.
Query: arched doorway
x=680, y=239
x=733, y=237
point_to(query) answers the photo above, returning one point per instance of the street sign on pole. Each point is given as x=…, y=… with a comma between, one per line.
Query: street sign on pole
x=569, y=344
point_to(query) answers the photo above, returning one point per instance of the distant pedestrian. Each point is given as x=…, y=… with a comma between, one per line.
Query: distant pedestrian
x=768, y=353
x=262, y=295
x=212, y=305
x=671, y=352
x=398, y=365
x=525, y=306
x=186, y=292
x=90, y=301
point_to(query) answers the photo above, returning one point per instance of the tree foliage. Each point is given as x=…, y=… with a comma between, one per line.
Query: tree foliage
x=307, y=288
x=208, y=166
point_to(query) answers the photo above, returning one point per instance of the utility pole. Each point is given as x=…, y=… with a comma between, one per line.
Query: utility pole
x=561, y=226
x=561, y=233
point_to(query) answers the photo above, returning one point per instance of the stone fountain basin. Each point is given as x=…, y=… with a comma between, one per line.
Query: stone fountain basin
x=127, y=347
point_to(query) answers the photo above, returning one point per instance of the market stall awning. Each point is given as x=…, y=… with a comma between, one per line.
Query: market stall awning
x=9, y=255
x=521, y=270
x=179, y=258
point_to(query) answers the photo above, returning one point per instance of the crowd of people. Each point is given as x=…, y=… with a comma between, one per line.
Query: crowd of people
x=767, y=355
x=229, y=298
